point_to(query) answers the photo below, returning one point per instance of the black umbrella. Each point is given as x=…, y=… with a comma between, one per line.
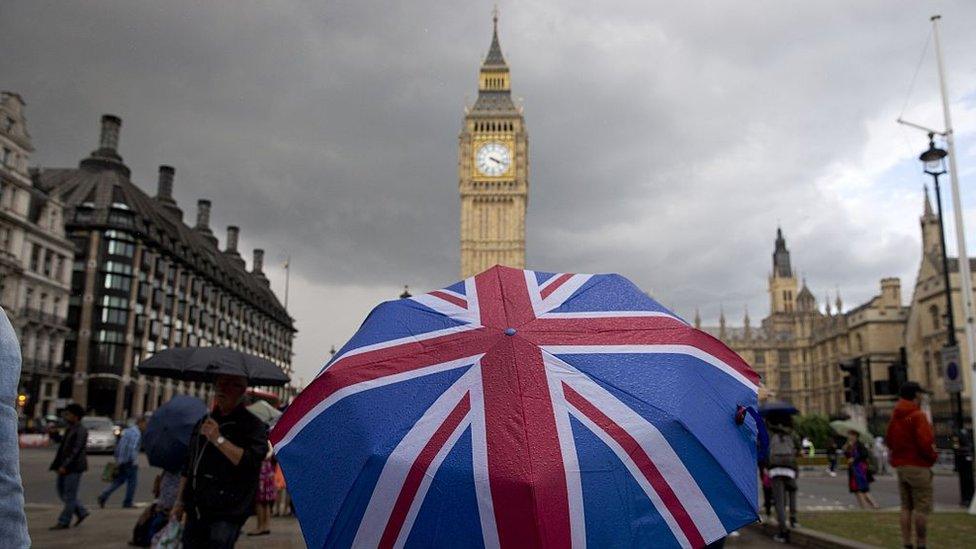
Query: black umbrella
x=206, y=363
x=783, y=408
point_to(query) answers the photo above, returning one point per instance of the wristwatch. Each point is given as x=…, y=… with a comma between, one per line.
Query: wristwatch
x=221, y=440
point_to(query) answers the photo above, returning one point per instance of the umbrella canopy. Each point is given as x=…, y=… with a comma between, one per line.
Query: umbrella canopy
x=778, y=408
x=842, y=427
x=264, y=411
x=522, y=408
x=206, y=363
x=167, y=435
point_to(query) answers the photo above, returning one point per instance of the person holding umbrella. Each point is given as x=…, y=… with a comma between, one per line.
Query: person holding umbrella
x=859, y=477
x=220, y=476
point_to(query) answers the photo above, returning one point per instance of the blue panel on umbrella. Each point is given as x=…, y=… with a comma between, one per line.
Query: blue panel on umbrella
x=618, y=512
x=693, y=404
x=336, y=489
x=610, y=292
x=541, y=277
x=457, y=287
x=394, y=320
x=449, y=515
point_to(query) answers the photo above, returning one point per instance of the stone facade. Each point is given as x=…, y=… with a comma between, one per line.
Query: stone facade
x=797, y=347
x=144, y=281
x=35, y=263
x=927, y=329
x=493, y=172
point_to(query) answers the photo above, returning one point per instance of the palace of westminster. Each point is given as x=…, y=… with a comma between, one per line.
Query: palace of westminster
x=96, y=275
x=797, y=348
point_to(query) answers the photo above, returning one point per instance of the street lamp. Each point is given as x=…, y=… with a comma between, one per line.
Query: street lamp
x=933, y=161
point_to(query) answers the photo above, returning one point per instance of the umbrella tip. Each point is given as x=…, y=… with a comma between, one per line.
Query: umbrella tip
x=509, y=331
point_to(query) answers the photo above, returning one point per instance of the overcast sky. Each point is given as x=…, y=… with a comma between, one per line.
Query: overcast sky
x=667, y=140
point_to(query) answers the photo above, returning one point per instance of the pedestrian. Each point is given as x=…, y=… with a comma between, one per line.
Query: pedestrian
x=266, y=496
x=784, y=449
x=911, y=451
x=859, y=476
x=220, y=477
x=881, y=455
x=13, y=521
x=767, y=488
x=70, y=462
x=155, y=517
x=832, y=456
x=126, y=464
x=281, y=507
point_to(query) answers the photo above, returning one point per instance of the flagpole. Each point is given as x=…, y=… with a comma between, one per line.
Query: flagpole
x=964, y=272
x=287, y=276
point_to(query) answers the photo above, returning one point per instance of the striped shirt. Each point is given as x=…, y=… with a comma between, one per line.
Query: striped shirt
x=127, y=450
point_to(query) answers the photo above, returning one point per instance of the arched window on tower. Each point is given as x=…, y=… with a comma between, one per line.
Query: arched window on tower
x=936, y=320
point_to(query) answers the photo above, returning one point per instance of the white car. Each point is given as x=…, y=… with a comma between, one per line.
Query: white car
x=101, y=434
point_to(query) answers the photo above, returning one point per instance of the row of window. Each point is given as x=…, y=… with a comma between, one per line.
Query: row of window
x=47, y=262
x=494, y=126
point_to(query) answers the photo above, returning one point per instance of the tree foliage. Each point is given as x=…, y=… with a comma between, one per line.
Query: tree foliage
x=815, y=427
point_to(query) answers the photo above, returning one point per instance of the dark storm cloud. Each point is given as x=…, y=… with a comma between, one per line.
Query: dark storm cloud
x=666, y=141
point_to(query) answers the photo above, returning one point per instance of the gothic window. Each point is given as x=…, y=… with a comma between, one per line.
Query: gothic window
x=936, y=321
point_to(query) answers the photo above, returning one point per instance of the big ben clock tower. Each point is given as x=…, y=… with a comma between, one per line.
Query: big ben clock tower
x=493, y=172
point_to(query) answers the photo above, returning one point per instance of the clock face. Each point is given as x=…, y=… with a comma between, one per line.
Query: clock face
x=493, y=159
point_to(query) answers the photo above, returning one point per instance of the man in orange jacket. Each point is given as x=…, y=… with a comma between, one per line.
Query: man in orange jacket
x=911, y=446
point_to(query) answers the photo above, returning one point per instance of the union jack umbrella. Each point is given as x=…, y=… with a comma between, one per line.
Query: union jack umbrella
x=524, y=409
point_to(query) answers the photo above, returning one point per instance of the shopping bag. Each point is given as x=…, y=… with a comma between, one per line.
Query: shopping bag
x=110, y=472
x=169, y=537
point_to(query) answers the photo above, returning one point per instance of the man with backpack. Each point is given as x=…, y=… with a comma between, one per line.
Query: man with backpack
x=783, y=451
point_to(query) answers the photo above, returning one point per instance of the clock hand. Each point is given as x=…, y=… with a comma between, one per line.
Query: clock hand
x=493, y=159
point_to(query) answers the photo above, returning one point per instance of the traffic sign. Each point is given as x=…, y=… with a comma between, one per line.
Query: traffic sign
x=951, y=371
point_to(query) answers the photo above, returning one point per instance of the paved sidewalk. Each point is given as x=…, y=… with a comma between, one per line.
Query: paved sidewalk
x=112, y=528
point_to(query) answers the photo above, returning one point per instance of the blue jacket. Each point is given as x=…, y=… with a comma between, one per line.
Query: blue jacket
x=13, y=522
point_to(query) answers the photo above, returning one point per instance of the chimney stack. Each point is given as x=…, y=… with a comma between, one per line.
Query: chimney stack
x=109, y=138
x=233, y=232
x=257, y=269
x=164, y=186
x=106, y=156
x=258, y=266
x=203, y=215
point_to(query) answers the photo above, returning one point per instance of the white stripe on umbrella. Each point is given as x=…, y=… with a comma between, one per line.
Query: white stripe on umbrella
x=651, y=349
x=654, y=444
x=365, y=386
x=398, y=465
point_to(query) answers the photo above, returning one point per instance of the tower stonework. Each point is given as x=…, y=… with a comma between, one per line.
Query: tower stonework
x=782, y=281
x=493, y=172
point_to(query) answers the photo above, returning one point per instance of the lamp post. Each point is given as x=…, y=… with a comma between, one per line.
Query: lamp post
x=934, y=161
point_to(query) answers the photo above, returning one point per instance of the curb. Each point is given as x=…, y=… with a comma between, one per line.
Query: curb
x=804, y=537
